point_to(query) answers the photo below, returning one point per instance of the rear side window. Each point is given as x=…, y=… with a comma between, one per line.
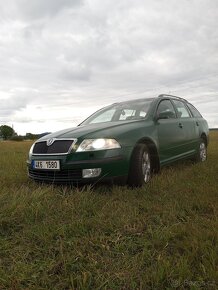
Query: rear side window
x=194, y=111
x=181, y=109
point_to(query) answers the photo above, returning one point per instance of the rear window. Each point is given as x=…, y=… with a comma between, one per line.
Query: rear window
x=194, y=111
x=182, y=109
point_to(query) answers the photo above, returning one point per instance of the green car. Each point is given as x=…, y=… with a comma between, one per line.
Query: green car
x=127, y=141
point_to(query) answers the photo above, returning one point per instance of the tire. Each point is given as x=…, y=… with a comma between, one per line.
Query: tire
x=202, y=151
x=140, y=166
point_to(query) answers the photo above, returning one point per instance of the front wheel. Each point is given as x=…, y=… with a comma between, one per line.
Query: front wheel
x=140, y=166
x=202, y=151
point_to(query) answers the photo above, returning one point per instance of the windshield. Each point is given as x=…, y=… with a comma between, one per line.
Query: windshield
x=134, y=110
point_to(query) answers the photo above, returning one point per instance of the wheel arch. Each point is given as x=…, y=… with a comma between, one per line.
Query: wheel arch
x=153, y=152
x=205, y=138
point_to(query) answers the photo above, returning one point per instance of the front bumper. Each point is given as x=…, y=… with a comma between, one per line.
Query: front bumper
x=113, y=163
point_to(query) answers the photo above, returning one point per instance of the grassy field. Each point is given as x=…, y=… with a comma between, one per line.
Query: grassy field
x=161, y=236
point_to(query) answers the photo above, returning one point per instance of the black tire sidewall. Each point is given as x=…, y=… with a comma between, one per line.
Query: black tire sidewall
x=136, y=177
x=199, y=150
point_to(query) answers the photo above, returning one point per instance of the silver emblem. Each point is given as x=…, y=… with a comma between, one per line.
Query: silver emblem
x=49, y=142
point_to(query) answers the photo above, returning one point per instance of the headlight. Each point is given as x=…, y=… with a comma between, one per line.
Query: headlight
x=98, y=144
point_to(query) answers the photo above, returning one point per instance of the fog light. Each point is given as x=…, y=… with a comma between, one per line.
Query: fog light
x=93, y=172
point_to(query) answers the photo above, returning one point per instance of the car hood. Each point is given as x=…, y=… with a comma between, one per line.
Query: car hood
x=100, y=130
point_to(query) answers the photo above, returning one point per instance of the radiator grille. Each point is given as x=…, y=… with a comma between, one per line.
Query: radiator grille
x=57, y=147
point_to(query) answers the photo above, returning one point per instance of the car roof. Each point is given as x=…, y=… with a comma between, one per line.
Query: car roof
x=134, y=101
x=172, y=96
x=151, y=99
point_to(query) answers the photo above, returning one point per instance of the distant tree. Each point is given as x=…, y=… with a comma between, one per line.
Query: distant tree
x=17, y=138
x=31, y=136
x=6, y=132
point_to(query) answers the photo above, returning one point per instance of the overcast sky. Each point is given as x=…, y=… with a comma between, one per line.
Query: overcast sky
x=60, y=60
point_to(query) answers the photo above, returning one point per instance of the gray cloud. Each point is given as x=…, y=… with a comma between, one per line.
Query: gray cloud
x=86, y=54
x=8, y=106
x=37, y=9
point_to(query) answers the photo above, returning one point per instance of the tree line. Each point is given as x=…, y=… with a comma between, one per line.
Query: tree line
x=8, y=133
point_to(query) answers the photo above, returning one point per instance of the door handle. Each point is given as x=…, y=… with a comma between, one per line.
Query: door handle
x=180, y=125
x=197, y=124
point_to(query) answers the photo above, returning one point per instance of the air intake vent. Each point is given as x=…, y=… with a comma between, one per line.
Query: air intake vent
x=67, y=175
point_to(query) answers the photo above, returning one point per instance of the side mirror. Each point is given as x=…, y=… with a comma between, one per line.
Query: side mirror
x=166, y=115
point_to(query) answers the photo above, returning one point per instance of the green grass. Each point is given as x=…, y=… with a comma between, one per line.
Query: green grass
x=161, y=236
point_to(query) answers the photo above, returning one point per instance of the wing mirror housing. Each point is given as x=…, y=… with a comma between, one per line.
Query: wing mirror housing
x=165, y=115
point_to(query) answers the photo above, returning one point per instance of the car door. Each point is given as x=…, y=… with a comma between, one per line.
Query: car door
x=168, y=132
x=197, y=118
x=188, y=127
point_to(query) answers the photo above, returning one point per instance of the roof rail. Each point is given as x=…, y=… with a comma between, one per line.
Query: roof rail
x=171, y=96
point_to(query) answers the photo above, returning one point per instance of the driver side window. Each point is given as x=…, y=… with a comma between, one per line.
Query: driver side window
x=166, y=110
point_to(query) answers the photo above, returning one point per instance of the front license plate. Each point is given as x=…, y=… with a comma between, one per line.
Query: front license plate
x=49, y=164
